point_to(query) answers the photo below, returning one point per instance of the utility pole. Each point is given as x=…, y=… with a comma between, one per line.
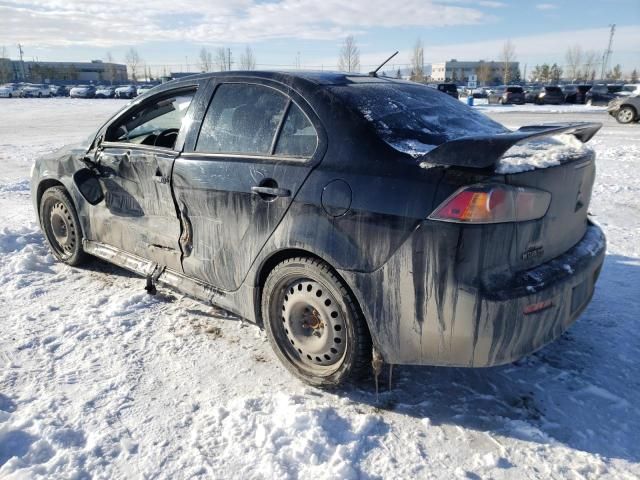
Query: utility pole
x=229, y=58
x=607, y=53
x=524, y=74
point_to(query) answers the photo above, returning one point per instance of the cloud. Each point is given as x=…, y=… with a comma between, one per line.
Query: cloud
x=546, y=6
x=51, y=23
x=530, y=49
x=491, y=4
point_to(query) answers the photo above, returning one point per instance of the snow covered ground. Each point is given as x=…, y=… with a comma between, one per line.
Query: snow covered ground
x=100, y=380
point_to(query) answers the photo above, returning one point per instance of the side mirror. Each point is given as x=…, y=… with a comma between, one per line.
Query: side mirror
x=89, y=185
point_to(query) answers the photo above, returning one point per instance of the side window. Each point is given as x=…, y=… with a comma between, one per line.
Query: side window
x=298, y=137
x=242, y=118
x=157, y=123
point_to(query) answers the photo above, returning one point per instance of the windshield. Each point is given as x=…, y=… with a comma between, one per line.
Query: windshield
x=630, y=88
x=515, y=90
x=415, y=119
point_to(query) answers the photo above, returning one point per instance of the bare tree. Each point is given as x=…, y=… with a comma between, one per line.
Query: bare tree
x=483, y=72
x=573, y=61
x=349, y=56
x=508, y=56
x=248, y=59
x=206, y=60
x=223, y=59
x=417, y=62
x=590, y=65
x=133, y=60
x=110, y=69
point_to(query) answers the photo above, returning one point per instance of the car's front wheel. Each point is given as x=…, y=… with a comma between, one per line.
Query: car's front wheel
x=61, y=226
x=314, y=324
x=625, y=115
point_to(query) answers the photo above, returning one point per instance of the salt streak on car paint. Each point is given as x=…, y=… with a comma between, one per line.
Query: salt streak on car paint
x=421, y=305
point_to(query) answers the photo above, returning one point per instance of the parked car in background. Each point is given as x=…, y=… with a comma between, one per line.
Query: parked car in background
x=576, y=93
x=126, y=91
x=625, y=109
x=630, y=89
x=33, y=90
x=507, y=94
x=531, y=93
x=142, y=89
x=549, y=94
x=479, y=92
x=300, y=201
x=58, y=91
x=9, y=90
x=602, y=94
x=448, y=88
x=105, y=91
x=83, y=91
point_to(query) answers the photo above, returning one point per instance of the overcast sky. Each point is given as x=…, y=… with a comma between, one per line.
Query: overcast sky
x=171, y=32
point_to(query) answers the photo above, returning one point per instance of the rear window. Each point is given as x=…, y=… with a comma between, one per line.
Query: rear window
x=447, y=87
x=515, y=90
x=414, y=119
x=553, y=89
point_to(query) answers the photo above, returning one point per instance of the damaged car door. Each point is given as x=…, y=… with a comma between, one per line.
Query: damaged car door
x=135, y=160
x=235, y=182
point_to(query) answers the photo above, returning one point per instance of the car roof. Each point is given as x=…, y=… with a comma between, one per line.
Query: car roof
x=308, y=77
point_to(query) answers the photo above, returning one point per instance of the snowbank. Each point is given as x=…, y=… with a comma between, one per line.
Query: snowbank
x=100, y=380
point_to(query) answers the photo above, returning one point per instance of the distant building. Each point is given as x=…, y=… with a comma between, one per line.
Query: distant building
x=488, y=73
x=95, y=71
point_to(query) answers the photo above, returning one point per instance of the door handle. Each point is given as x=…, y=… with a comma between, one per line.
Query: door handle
x=159, y=178
x=271, y=191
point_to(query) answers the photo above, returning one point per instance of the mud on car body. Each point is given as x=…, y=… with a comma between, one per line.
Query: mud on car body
x=348, y=214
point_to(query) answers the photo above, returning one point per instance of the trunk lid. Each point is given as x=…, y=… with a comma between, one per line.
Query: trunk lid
x=551, y=158
x=565, y=223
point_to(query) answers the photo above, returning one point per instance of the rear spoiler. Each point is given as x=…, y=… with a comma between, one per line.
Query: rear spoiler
x=485, y=151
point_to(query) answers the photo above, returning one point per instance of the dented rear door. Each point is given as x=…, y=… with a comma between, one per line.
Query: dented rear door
x=254, y=150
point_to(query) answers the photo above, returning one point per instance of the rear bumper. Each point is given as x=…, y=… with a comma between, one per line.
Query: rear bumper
x=419, y=314
x=555, y=293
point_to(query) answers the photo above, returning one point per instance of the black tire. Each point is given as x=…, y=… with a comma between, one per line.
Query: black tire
x=304, y=298
x=61, y=227
x=626, y=115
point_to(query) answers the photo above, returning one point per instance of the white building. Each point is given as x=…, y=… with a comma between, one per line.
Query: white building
x=488, y=73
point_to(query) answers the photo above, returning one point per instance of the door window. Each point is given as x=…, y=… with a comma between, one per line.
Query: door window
x=298, y=137
x=242, y=118
x=156, y=123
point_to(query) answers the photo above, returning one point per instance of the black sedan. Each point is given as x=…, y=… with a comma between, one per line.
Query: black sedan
x=354, y=217
x=575, y=93
x=602, y=94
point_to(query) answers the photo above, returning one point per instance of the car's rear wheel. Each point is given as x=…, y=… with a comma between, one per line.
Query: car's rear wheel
x=314, y=324
x=61, y=226
x=625, y=115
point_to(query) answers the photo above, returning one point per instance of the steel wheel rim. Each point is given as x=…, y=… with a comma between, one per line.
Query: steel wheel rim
x=625, y=115
x=310, y=326
x=62, y=230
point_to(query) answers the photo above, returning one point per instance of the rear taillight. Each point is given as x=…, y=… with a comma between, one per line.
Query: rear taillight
x=493, y=204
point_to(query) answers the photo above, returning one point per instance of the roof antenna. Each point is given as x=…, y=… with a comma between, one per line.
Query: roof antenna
x=375, y=72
